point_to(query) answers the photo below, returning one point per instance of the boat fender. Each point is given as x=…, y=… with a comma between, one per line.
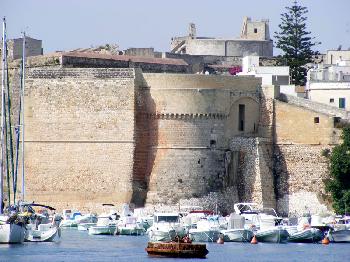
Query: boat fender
x=220, y=240
x=325, y=241
x=254, y=240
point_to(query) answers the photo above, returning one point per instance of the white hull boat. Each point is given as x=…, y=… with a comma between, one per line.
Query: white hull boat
x=204, y=235
x=103, y=230
x=85, y=226
x=11, y=234
x=159, y=235
x=309, y=235
x=44, y=233
x=273, y=235
x=339, y=236
x=237, y=235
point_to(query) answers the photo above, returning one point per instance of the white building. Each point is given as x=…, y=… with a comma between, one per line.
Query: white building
x=330, y=84
x=271, y=75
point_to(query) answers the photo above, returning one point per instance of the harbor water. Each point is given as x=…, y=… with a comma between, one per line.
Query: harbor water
x=76, y=245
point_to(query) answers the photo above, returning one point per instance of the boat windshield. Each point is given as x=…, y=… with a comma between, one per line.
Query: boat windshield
x=168, y=219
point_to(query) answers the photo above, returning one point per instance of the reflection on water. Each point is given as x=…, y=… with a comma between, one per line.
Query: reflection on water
x=79, y=246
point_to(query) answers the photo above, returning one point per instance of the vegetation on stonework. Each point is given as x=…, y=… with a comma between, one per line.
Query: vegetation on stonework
x=339, y=183
x=295, y=42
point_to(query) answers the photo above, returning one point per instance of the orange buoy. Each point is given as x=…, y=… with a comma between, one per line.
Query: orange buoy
x=325, y=241
x=254, y=240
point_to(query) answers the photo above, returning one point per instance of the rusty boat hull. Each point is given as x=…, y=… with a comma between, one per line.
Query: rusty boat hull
x=176, y=249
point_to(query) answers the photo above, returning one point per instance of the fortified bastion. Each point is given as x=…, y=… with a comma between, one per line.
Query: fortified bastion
x=103, y=133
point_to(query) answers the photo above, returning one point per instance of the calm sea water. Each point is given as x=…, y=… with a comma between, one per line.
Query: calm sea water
x=79, y=246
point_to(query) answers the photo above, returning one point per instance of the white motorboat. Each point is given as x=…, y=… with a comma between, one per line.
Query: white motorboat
x=69, y=218
x=235, y=231
x=85, y=226
x=268, y=231
x=165, y=227
x=44, y=233
x=206, y=230
x=105, y=225
x=339, y=236
x=129, y=226
x=10, y=233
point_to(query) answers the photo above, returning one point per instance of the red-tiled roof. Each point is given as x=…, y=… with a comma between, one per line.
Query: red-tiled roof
x=135, y=59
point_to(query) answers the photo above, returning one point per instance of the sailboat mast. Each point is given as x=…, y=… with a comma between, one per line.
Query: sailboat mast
x=22, y=97
x=3, y=82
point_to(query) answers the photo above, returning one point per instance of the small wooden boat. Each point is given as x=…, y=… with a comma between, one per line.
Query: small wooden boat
x=177, y=249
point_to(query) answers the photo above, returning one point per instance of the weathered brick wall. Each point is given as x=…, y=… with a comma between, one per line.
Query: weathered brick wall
x=79, y=134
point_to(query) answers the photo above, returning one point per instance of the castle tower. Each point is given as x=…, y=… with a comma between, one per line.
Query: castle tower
x=255, y=30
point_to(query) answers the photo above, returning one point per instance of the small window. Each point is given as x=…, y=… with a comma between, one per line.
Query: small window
x=342, y=102
x=331, y=100
x=255, y=30
x=241, y=117
x=212, y=143
x=316, y=120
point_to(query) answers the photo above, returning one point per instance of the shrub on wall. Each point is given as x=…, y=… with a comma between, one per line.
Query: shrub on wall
x=339, y=183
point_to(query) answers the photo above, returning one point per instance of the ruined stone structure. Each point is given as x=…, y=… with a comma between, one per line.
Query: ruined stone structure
x=254, y=40
x=15, y=47
x=100, y=130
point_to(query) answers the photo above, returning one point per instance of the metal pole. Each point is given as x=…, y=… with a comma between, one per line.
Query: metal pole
x=22, y=96
x=2, y=113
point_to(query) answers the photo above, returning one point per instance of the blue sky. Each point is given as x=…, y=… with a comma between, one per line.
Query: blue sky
x=69, y=24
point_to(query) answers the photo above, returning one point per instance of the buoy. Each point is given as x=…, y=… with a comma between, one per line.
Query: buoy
x=254, y=240
x=220, y=240
x=325, y=241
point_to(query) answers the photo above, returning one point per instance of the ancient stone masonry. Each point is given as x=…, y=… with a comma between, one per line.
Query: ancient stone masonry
x=104, y=134
x=255, y=180
x=79, y=136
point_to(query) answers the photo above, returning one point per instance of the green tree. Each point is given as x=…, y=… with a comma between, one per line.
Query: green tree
x=295, y=42
x=339, y=183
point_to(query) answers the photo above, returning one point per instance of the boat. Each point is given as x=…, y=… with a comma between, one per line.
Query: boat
x=273, y=235
x=129, y=226
x=85, y=226
x=177, y=249
x=339, y=236
x=11, y=226
x=106, y=222
x=235, y=231
x=253, y=215
x=268, y=231
x=166, y=226
x=105, y=226
x=206, y=230
x=41, y=227
x=69, y=218
x=11, y=233
x=44, y=233
x=308, y=235
x=303, y=232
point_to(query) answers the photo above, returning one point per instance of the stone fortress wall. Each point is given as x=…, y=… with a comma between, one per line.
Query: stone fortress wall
x=101, y=135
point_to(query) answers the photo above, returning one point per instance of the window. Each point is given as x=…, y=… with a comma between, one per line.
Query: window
x=342, y=102
x=255, y=30
x=241, y=116
x=331, y=100
x=316, y=120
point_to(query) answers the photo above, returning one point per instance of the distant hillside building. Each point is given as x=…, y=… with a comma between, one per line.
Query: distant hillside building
x=254, y=40
x=330, y=84
x=15, y=47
